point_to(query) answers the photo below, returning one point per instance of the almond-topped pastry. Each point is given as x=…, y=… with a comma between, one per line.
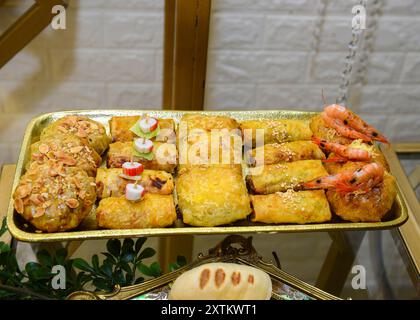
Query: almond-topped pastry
x=91, y=132
x=54, y=197
x=68, y=150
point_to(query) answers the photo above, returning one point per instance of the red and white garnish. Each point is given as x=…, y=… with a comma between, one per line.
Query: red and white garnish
x=132, y=169
x=148, y=124
x=143, y=145
x=134, y=192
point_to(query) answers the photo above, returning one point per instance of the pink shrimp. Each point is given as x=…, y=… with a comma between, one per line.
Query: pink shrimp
x=343, y=153
x=352, y=120
x=361, y=180
x=342, y=129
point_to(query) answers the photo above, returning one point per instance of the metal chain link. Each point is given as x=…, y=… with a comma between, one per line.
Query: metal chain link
x=316, y=35
x=349, y=62
x=375, y=11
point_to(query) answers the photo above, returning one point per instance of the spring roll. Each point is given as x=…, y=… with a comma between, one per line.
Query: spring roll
x=208, y=122
x=110, y=183
x=153, y=211
x=277, y=131
x=212, y=196
x=165, y=156
x=120, y=129
x=280, y=177
x=291, y=207
x=284, y=152
x=207, y=149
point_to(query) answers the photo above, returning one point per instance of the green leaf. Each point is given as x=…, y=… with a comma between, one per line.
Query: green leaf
x=149, y=135
x=126, y=267
x=146, y=253
x=119, y=278
x=114, y=247
x=3, y=228
x=173, y=266
x=139, y=280
x=156, y=269
x=144, y=269
x=82, y=265
x=102, y=284
x=42, y=274
x=32, y=266
x=128, y=257
x=139, y=244
x=148, y=156
x=4, y=247
x=128, y=279
x=60, y=256
x=109, y=257
x=127, y=246
x=181, y=261
x=44, y=258
x=106, y=269
x=95, y=262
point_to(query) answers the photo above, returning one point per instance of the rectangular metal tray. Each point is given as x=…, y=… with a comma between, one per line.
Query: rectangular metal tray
x=18, y=228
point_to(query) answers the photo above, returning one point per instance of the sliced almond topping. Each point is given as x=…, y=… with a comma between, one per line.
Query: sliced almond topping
x=53, y=173
x=72, y=203
x=68, y=161
x=39, y=212
x=62, y=129
x=35, y=199
x=23, y=191
x=19, y=206
x=76, y=149
x=81, y=133
x=82, y=194
x=43, y=148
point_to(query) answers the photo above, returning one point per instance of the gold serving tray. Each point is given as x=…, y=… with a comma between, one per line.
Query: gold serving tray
x=19, y=229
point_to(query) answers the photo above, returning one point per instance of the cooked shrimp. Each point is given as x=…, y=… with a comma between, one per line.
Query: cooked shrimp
x=342, y=129
x=361, y=180
x=342, y=152
x=352, y=120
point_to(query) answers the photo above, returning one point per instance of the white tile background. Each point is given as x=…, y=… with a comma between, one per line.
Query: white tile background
x=110, y=56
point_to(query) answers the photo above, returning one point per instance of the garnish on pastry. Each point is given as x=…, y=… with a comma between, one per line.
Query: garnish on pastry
x=134, y=192
x=143, y=148
x=147, y=127
x=132, y=170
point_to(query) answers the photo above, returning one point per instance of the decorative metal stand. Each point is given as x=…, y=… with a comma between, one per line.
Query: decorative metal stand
x=234, y=249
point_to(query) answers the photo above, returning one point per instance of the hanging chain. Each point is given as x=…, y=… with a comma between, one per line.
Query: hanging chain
x=375, y=10
x=316, y=35
x=343, y=89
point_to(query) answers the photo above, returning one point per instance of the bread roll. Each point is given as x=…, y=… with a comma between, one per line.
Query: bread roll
x=222, y=281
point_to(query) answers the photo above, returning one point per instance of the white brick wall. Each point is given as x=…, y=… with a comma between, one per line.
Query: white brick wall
x=110, y=56
x=260, y=58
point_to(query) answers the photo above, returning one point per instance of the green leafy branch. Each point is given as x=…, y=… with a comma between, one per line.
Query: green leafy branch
x=121, y=264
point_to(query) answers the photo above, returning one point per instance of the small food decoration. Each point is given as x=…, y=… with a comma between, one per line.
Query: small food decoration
x=134, y=192
x=147, y=127
x=143, y=148
x=222, y=281
x=132, y=170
